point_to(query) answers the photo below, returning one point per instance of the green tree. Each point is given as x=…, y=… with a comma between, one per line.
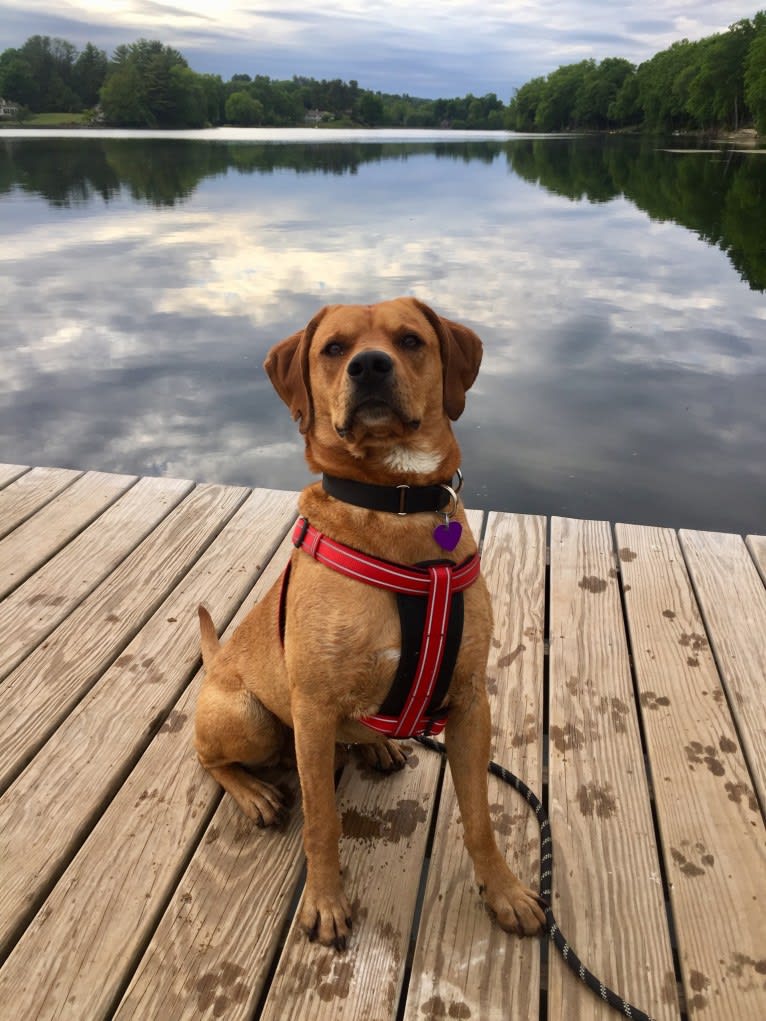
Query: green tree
x=663, y=87
x=88, y=74
x=625, y=109
x=717, y=90
x=755, y=73
x=598, y=92
x=215, y=97
x=242, y=108
x=522, y=111
x=188, y=99
x=370, y=109
x=123, y=100
x=556, y=110
x=17, y=80
x=154, y=74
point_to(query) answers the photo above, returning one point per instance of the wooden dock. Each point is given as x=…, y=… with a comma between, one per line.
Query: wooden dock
x=628, y=681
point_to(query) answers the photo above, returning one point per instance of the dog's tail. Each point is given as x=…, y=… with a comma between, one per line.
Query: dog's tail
x=208, y=637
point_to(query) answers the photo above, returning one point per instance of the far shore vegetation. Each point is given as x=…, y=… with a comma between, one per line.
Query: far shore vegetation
x=715, y=84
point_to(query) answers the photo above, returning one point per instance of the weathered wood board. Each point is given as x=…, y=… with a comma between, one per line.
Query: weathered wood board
x=606, y=867
x=714, y=841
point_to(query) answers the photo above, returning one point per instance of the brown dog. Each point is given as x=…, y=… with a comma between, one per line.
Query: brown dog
x=374, y=389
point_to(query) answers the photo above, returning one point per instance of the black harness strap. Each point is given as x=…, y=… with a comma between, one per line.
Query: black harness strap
x=412, y=617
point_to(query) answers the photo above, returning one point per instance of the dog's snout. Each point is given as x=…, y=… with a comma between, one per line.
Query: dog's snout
x=370, y=367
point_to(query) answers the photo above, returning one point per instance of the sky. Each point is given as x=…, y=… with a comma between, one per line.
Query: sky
x=430, y=49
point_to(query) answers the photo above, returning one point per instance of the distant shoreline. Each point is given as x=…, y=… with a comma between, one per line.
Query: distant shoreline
x=745, y=136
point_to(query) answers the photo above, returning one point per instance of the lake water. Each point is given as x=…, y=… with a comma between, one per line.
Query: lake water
x=618, y=288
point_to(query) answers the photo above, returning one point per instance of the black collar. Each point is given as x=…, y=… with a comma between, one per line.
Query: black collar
x=394, y=499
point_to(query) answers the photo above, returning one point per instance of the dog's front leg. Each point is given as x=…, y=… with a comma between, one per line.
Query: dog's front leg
x=468, y=736
x=325, y=911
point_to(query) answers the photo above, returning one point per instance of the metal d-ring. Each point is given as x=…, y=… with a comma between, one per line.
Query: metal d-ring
x=459, y=485
x=452, y=506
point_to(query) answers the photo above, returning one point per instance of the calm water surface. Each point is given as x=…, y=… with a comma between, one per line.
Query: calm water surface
x=618, y=288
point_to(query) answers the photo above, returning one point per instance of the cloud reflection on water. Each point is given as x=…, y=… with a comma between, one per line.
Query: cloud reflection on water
x=624, y=364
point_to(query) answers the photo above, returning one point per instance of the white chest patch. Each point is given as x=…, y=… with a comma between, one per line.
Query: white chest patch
x=405, y=460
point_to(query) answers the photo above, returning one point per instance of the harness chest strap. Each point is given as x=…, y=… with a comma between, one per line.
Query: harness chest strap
x=437, y=583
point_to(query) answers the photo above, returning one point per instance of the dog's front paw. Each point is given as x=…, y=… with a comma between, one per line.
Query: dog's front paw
x=327, y=918
x=384, y=756
x=516, y=907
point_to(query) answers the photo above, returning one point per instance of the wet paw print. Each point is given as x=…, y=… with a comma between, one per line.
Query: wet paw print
x=695, y=643
x=697, y=753
x=651, y=700
x=529, y=734
x=220, y=989
x=683, y=859
x=739, y=793
x=567, y=737
x=598, y=801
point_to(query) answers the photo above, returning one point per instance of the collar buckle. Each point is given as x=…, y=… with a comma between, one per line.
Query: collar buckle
x=402, y=512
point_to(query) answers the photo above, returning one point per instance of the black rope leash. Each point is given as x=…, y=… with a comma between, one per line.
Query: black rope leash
x=546, y=885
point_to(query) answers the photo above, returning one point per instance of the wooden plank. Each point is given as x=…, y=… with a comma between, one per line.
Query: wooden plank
x=228, y=911
x=33, y=610
x=464, y=964
x=77, y=953
x=714, y=841
x=607, y=896
x=10, y=472
x=42, y=535
x=757, y=546
x=41, y=691
x=29, y=493
x=733, y=603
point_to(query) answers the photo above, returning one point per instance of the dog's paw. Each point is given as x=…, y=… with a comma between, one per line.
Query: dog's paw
x=261, y=801
x=516, y=908
x=326, y=918
x=384, y=756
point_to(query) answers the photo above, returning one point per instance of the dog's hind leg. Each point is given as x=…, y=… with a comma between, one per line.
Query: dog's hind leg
x=234, y=732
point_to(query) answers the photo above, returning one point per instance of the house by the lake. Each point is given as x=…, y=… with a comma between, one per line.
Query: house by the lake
x=8, y=108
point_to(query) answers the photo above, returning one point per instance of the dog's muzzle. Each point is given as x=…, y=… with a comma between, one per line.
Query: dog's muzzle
x=372, y=390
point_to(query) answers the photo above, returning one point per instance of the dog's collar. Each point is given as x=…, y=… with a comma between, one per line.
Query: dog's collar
x=439, y=498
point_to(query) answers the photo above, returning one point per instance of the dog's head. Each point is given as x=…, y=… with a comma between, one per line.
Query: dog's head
x=377, y=385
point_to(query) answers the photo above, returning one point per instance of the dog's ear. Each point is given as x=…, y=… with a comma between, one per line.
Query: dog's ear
x=287, y=366
x=461, y=352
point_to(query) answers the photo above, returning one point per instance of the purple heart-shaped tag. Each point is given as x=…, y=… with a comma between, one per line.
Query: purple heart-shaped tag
x=448, y=536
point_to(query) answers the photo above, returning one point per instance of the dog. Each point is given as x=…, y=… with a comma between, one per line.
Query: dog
x=374, y=389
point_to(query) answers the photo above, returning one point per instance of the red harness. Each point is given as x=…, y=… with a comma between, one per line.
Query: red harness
x=436, y=582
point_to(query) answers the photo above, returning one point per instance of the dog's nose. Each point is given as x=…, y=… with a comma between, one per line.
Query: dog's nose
x=370, y=367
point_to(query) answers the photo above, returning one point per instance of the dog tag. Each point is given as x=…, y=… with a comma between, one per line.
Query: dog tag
x=448, y=535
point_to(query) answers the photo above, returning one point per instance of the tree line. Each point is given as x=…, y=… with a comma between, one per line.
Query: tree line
x=148, y=84
x=718, y=82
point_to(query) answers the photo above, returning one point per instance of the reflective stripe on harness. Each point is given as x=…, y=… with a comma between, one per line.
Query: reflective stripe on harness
x=438, y=583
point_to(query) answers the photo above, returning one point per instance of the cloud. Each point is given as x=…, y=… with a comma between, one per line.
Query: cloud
x=446, y=49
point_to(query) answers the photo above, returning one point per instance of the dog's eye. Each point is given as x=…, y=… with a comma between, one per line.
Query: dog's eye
x=410, y=341
x=333, y=349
